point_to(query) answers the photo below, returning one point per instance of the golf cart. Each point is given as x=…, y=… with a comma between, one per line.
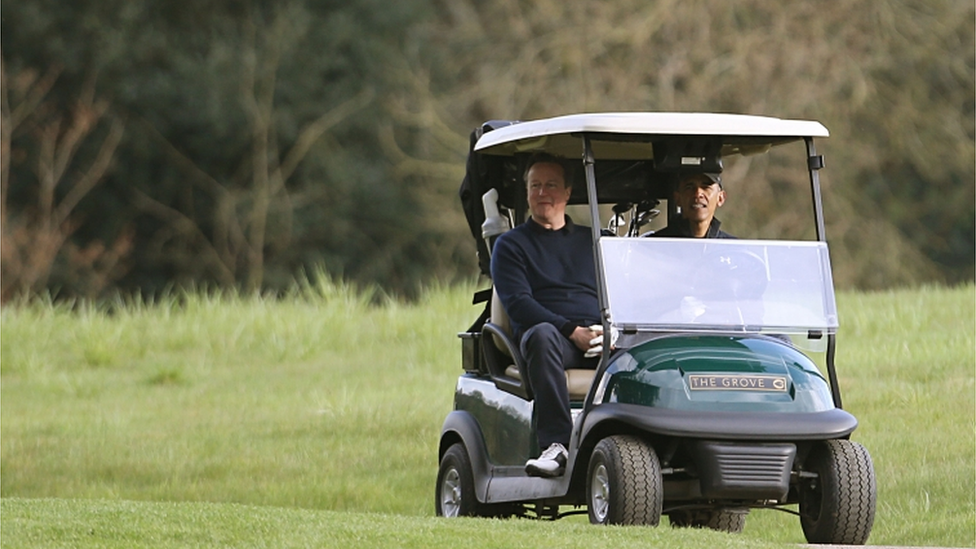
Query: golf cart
x=706, y=402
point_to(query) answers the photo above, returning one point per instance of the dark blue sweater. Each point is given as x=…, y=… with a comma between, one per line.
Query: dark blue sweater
x=546, y=276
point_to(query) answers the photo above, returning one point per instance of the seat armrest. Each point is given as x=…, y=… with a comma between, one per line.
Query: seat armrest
x=498, y=361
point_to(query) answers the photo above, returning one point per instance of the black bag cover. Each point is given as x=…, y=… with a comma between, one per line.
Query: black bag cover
x=474, y=185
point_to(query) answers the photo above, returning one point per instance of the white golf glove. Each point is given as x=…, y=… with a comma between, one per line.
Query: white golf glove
x=596, y=344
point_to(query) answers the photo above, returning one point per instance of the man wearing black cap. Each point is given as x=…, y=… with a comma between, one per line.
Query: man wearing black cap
x=697, y=196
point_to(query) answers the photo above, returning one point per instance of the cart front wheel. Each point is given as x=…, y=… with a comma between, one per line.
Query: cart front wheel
x=838, y=506
x=624, y=484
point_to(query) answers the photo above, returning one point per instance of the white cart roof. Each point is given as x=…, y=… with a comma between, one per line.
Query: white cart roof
x=742, y=134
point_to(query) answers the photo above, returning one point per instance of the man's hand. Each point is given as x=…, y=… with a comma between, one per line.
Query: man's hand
x=593, y=347
x=583, y=337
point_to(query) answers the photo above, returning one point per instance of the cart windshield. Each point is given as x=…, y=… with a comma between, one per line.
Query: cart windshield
x=715, y=285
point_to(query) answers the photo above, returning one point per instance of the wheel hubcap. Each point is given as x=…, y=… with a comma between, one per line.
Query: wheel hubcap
x=600, y=490
x=451, y=494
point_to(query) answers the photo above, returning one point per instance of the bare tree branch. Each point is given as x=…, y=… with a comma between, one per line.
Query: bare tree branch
x=312, y=132
x=92, y=175
x=36, y=237
x=222, y=272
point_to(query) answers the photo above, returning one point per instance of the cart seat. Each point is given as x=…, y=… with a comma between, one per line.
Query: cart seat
x=577, y=381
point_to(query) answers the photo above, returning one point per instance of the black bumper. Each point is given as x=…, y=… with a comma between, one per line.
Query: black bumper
x=742, y=426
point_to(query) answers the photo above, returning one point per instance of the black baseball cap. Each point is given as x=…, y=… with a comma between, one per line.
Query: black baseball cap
x=712, y=176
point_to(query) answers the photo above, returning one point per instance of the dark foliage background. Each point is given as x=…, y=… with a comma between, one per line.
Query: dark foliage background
x=239, y=144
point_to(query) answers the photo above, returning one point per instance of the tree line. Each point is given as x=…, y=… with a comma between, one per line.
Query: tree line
x=147, y=145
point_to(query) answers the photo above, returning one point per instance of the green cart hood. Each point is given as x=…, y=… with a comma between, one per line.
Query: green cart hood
x=716, y=373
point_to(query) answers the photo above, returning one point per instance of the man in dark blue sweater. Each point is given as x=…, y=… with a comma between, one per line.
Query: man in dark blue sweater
x=544, y=275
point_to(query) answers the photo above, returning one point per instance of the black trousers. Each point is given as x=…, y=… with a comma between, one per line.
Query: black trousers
x=548, y=354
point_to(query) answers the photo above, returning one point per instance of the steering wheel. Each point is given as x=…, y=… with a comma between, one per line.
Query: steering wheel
x=726, y=288
x=730, y=274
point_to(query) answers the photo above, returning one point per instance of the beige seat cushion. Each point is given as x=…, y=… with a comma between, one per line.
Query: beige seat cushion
x=577, y=381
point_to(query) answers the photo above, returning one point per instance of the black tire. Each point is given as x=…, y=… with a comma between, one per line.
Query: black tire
x=455, y=496
x=838, y=506
x=722, y=520
x=727, y=520
x=623, y=483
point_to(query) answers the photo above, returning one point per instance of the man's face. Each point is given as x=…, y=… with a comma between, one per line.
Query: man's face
x=547, y=192
x=698, y=197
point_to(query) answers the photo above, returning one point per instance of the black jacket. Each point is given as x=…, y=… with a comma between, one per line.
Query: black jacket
x=680, y=229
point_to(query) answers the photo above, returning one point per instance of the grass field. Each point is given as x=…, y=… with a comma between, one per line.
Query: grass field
x=312, y=420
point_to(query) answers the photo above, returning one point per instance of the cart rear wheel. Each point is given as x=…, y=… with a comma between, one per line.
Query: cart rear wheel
x=454, y=496
x=838, y=506
x=722, y=520
x=624, y=484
